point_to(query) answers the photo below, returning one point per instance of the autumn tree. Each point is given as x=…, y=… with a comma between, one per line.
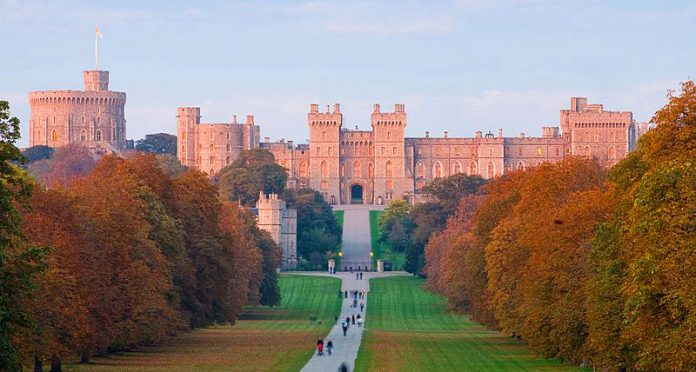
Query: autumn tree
x=254, y=171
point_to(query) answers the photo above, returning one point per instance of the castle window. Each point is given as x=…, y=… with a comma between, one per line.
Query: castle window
x=211, y=161
x=420, y=170
x=369, y=151
x=390, y=185
x=491, y=169
x=54, y=136
x=611, y=152
x=587, y=151
x=420, y=152
x=388, y=136
x=183, y=136
x=98, y=136
x=457, y=167
x=323, y=135
x=318, y=150
x=355, y=151
x=568, y=151
x=437, y=170
x=83, y=135
x=343, y=170
x=520, y=166
x=324, y=169
x=473, y=169
x=508, y=167
x=519, y=152
x=612, y=136
x=539, y=151
x=558, y=151
x=370, y=170
x=83, y=120
x=330, y=151
x=303, y=169
x=394, y=150
x=324, y=185
x=389, y=169
x=98, y=120
x=228, y=147
x=356, y=170
x=384, y=152
x=212, y=148
x=587, y=136
x=228, y=136
x=227, y=161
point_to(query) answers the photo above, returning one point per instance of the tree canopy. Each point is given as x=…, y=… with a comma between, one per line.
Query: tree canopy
x=158, y=143
x=254, y=171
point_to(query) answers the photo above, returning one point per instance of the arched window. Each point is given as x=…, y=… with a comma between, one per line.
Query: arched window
x=437, y=170
x=390, y=184
x=457, y=167
x=343, y=170
x=388, y=136
x=520, y=165
x=324, y=169
x=394, y=150
x=508, y=167
x=473, y=169
x=83, y=135
x=54, y=136
x=587, y=136
x=211, y=161
x=228, y=147
x=587, y=151
x=303, y=169
x=227, y=161
x=611, y=152
x=491, y=169
x=389, y=169
x=98, y=137
x=356, y=170
x=420, y=170
x=355, y=151
x=212, y=148
x=370, y=170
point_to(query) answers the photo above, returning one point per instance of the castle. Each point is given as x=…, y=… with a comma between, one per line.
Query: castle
x=281, y=223
x=93, y=117
x=375, y=166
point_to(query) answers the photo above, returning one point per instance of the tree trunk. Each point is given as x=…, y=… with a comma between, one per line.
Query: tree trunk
x=56, y=363
x=38, y=364
x=84, y=358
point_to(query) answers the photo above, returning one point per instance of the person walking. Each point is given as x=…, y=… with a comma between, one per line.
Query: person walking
x=329, y=347
x=343, y=367
x=344, y=325
x=320, y=347
x=360, y=321
x=352, y=317
x=361, y=276
x=362, y=306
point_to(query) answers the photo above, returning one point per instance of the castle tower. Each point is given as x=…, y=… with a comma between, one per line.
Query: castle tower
x=281, y=224
x=324, y=142
x=186, y=120
x=391, y=170
x=93, y=117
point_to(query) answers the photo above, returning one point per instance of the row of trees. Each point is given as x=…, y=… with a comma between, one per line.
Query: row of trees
x=112, y=254
x=585, y=264
x=318, y=233
x=408, y=229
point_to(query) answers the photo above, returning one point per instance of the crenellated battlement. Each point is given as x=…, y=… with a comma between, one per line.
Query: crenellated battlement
x=396, y=118
x=328, y=118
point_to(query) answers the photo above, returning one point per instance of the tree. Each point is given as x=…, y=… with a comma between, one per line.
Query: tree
x=68, y=162
x=18, y=262
x=159, y=143
x=254, y=171
x=38, y=152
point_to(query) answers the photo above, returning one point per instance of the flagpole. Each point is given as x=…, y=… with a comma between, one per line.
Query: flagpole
x=96, y=49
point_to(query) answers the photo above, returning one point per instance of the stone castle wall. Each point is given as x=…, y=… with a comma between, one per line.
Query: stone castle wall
x=94, y=117
x=281, y=223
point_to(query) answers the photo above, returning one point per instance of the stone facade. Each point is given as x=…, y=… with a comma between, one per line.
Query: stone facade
x=281, y=223
x=93, y=117
x=212, y=146
x=375, y=166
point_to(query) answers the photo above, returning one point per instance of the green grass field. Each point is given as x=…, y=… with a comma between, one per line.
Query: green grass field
x=382, y=251
x=409, y=329
x=339, y=217
x=264, y=339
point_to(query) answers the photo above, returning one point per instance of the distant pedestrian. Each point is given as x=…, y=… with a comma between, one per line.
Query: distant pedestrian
x=343, y=368
x=362, y=306
x=320, y=347
x=361, y=276
x=359, y=320
x=329, y=347
x=352, y=317
x=348, y=321
x=357, y=276
x=344, y=325
x=346, y=293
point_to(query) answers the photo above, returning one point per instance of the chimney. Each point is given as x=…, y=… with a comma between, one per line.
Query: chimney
x=427, y=134
x=314, y=107
x=500, y=133
x=337, y=108
x=479, y=134
x=376, y=108
x=399, y=107
x=445, y=134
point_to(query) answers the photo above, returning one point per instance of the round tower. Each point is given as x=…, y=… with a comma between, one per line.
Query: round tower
x=186, y=120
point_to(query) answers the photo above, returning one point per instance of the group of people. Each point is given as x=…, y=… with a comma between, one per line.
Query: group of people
x=320, y=347
x=358, y=275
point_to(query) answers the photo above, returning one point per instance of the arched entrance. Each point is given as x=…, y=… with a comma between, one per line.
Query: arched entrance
x=356, y=194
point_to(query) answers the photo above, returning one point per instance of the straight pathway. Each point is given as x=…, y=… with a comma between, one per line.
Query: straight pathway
x=356, y=236
x=345, y=347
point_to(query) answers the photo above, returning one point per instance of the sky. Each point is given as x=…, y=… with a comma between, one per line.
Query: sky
x=458, y=66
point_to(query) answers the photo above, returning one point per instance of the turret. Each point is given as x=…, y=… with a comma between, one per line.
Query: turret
x=96, y=80
x=186, y=120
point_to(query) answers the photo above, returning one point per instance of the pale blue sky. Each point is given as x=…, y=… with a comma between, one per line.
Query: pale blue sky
x=459, y=66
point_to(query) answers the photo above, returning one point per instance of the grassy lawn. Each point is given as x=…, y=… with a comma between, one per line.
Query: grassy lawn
x=264, y=339
x=339, y=217
x=382, y=251
x=409, y=329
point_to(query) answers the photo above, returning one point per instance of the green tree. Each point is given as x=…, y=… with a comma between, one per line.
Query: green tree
x=159, y=143
x=38, y=152
x=18, y=263
x=254, y=171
